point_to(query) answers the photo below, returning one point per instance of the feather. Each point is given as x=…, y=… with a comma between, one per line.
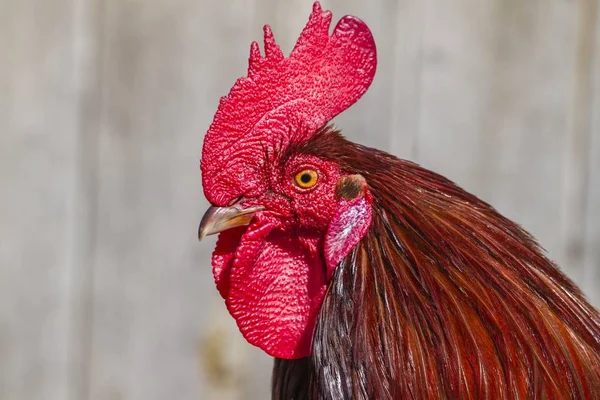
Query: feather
x=443, y=298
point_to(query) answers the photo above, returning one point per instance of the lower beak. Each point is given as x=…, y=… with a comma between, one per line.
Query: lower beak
x=219, y=219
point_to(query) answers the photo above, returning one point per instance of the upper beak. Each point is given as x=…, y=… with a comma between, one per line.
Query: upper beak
x=219, y=219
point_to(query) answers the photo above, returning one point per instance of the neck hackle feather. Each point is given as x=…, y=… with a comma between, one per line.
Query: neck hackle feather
x=443, y=299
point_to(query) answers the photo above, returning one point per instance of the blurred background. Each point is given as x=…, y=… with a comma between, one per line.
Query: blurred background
x=105, y=292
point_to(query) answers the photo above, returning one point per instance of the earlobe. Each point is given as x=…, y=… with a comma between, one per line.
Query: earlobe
x=350, y=222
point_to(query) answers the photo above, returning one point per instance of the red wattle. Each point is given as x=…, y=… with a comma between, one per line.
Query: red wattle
x=273, y=286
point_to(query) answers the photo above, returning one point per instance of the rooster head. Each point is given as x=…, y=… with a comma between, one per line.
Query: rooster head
x=285, y=219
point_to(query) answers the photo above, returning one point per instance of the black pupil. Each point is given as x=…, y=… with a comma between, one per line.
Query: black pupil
x=305, y=177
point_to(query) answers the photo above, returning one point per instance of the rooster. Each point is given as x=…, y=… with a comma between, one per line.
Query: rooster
x=366, y=276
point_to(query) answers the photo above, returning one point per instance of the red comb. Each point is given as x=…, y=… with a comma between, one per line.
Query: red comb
x=284, y=99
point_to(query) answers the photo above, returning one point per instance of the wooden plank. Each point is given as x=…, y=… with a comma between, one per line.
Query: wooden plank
x=160, y=330
x=592, y=218
x=40, y=279
x=497, y=82
x=578, y=139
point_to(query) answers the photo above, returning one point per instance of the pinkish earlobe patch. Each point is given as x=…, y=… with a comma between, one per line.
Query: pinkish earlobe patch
x=348, y=226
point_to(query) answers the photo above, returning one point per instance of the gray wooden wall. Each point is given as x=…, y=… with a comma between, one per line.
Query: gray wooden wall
x=105, y=293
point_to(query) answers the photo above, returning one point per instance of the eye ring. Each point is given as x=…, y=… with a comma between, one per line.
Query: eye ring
x=306, y=179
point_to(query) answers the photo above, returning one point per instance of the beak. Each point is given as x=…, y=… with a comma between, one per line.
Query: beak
x=219, y=219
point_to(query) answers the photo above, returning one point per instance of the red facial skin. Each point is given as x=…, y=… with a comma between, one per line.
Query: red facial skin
x=273, y=274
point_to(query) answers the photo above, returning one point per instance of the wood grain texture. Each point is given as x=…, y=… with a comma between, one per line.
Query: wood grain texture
x=591, y=264
x=105, y=292
x=39, y=277
x=576, y=163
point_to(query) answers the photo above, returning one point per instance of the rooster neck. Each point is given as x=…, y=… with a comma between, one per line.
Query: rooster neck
x=443, y=298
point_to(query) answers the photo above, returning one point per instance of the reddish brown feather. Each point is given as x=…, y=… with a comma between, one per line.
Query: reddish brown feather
x=443, y=298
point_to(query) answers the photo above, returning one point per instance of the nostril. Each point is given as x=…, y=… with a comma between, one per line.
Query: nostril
x=274, y=203
x=235, y=200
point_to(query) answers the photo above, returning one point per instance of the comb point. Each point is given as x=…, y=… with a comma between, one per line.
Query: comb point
x=323, y=16
x=272, y=49
x=317, y=7
x=254, y=51
x=253, y=59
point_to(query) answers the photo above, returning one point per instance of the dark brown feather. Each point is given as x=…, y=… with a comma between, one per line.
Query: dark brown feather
x=443, y=299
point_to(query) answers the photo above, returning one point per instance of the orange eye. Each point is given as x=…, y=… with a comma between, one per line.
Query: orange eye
x=306, y=178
